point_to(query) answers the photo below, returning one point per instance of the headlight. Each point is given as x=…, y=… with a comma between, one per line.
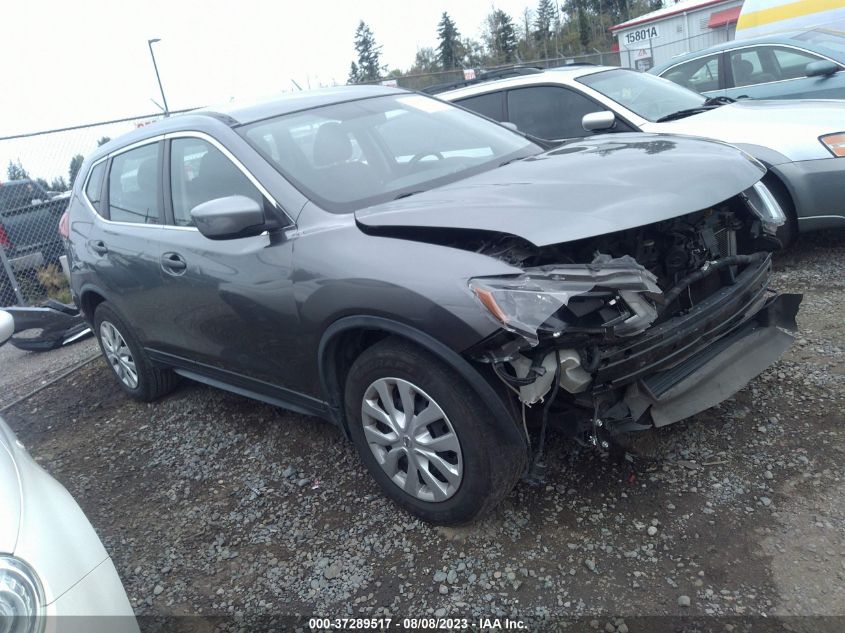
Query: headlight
x=764, y=205
x=21, y=597
x=550, y=300
x=835, y=143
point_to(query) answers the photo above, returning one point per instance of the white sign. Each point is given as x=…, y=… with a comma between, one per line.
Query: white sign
x=390, y=83
x=636, y=39
x=469, y=74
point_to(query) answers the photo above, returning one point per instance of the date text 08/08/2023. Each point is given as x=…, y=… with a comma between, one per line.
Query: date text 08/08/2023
x=416, y=624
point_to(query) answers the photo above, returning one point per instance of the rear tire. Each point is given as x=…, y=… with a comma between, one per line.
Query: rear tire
x=135, y=372
x=461, y=466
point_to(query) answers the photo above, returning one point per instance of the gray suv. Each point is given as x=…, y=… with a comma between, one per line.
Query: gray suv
x=440, y=287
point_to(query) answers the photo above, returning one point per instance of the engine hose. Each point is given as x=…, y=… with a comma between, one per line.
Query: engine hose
x=690, y=279
x=510, y=379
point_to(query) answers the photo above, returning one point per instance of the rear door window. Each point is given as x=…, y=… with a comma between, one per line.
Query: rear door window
x=133, y=186
x=550, y=112
x=491, y=105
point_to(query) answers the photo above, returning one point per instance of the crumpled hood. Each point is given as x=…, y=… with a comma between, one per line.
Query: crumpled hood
x=791, y=127
x=582, y=189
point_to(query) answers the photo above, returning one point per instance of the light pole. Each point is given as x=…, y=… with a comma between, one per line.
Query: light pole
x=163, y=98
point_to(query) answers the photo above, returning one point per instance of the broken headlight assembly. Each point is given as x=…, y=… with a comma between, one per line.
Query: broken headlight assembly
x=764, y=205
x=605, y=296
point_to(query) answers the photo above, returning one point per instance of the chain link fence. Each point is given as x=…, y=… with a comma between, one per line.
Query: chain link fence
x=38, y=170
x=425, y=80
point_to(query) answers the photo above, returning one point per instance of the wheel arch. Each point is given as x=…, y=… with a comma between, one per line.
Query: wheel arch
x=89, y=298
x=359, y=332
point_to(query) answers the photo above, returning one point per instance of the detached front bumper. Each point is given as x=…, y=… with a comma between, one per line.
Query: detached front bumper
x=695, y=361
x=718, y=371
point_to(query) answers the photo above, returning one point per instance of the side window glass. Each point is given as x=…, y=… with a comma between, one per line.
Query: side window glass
x=133, y=186
x=792, y=64
x=549, y=112
x=490, y=105
x=94, y=189
x=748, y=69
x=701, y=75
x=200, y=172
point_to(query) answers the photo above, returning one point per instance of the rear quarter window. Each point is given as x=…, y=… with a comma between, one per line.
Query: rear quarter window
x=94, y=186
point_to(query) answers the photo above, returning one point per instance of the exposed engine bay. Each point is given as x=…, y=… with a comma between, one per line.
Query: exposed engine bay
x=639, y=321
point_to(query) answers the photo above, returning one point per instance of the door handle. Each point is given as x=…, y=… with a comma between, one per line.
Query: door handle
x=99, y=247
x=173, y=264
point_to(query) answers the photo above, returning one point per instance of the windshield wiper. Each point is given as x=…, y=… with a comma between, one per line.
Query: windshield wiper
x=710, y=103
x=408, y=194
x=717, y=101
x=680, y=114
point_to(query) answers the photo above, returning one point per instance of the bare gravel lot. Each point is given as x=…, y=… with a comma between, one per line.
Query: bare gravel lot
x=214, y=505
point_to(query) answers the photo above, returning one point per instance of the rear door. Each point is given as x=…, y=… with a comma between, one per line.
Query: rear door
x=123, y=245
x=229, y=303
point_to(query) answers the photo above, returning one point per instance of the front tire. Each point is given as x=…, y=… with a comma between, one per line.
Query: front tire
x=425, y=435
x=135, y=372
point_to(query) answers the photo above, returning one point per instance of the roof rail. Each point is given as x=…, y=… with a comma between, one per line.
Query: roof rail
x=484, y=75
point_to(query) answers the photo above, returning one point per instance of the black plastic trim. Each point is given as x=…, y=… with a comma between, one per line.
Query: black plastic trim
x=501, y=417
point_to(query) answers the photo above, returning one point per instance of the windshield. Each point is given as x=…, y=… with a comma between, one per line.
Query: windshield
x=352, y=155
x=831, y=36
x=651, y=97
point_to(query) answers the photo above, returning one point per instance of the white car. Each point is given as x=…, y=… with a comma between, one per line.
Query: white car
x=52, y=564
x=802, y=143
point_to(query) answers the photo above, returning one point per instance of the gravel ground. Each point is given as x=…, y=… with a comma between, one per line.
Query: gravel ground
x=211, y=504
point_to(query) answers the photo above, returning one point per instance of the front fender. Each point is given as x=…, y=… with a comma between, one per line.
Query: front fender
x=501, y=418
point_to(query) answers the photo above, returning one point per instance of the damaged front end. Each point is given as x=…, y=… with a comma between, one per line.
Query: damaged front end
x=661, y=322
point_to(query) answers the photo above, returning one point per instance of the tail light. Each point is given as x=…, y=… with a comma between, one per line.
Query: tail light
x=5, y=242
x=64, y=225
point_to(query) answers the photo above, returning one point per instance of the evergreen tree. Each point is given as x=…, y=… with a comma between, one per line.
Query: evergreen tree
x=583, y=25
x=354, y=74
x=58, y=184
x=75, y=164
x=501, y=37
x=369, y=66
x=15, y=171
x=543, y=25
x=449, y=48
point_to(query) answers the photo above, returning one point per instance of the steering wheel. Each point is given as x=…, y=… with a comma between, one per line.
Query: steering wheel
x=418, y=157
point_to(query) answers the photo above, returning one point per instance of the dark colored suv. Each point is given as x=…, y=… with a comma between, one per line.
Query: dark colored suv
x=420, y=276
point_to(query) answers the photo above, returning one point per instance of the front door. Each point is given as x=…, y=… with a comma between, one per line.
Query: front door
x=230, y=302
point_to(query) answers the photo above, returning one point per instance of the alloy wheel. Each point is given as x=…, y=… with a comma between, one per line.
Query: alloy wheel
x=118, y=355
x=412, y=439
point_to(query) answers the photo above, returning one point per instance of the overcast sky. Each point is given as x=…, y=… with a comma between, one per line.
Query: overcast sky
x=66, y=63
x=70, y=63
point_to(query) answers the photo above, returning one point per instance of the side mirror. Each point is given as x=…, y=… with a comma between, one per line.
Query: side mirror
x=510, y=126
x=821, y=68
x=229, y=218
x=594, y=121
x=7, y=326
